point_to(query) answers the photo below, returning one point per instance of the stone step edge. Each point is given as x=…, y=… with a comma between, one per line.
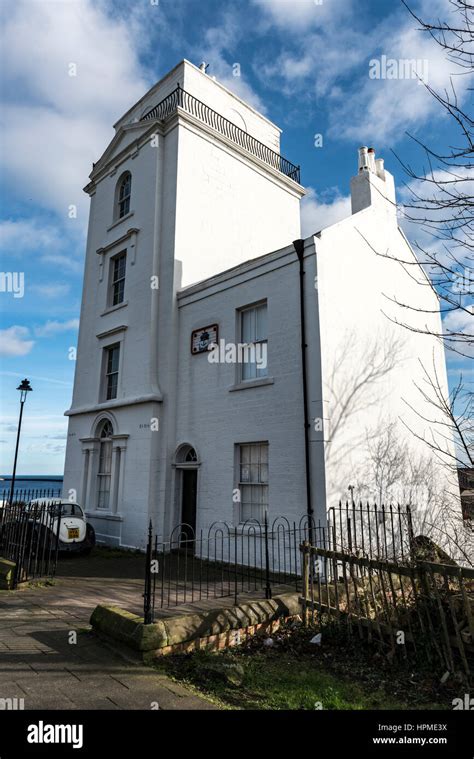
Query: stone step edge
x=174, y=633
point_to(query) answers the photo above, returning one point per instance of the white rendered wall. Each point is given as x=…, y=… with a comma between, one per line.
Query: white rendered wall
x=229, y=207
x=138, y=375
x=213, y=417
x=355, y=286
x=189, y=194
x=228, y=211
x=200, y=207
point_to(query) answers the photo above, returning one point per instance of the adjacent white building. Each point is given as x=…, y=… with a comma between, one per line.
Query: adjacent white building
x=194, y=241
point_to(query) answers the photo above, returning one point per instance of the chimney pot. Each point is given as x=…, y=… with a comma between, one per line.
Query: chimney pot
x=371, y=160
x=363, y=160
x=379, y=165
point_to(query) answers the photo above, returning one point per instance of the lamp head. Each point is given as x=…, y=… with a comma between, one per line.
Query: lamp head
x=24, y=387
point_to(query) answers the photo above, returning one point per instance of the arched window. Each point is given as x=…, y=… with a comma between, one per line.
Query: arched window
x=105, y=432
x=191, y=456
x=106, y=429
x=186, y=454
x=124, y=191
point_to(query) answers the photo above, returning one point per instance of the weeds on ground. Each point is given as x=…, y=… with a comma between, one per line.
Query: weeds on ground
x=288, y=671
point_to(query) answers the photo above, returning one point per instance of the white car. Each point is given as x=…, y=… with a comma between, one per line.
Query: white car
x=75, y=533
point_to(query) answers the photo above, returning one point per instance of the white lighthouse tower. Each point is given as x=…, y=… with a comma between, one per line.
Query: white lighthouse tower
x=192, y=184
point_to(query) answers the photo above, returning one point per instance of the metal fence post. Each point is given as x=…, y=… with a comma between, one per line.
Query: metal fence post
x=52, y=571
x=147, y=605
x=411, y=534
x=268, y=587
x=305, y=550
x=179, y=93
x=235, y=569
x=16, y=534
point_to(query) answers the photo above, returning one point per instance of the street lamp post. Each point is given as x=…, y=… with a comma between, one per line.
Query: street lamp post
x=24, y=387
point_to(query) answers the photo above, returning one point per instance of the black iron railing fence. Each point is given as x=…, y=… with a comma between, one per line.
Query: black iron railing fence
x=29, y=537
x=24, y=495
x=224, y=560
x=408, y=609
x=179, y=98
x=377, y=532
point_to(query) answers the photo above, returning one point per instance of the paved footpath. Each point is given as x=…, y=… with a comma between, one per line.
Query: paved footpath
x=39, y=663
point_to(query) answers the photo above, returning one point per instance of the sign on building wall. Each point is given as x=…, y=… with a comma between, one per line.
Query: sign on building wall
x=203, y=337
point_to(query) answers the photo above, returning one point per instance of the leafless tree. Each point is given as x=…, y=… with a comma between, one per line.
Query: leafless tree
x=387, y=461
x=398, y=474
x=441, y=196
x=353, y=386
x=441, y=202
x=457, y=408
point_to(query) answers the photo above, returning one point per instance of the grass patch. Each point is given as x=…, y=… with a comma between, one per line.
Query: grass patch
x=295, y=674
x=274, y=684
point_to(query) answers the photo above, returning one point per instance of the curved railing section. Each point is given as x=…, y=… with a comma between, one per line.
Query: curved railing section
x=179, y=98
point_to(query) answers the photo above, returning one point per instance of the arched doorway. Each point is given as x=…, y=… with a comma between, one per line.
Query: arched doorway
x=187, y=464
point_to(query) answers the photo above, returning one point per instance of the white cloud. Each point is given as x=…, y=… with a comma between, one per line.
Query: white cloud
x=14, y=341
x=56, y=174
x=381, y=110
x=51, y=291
x=219, y=43
x=48, y=243
x=39, y=378
x=20, y=236
x=39, y=447
x=459, y=321
x=64, y=262
x=55, y=328
x=330, y=58
x=61, y=123
x=301, y=14
x=321, y=59
x=317, y=214
x=326, y=43
x=423, y=225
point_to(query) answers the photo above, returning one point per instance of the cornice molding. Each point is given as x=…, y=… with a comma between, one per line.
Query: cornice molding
x=118, y=241
x=107, y=165
x=113, y=331
x=98, y=407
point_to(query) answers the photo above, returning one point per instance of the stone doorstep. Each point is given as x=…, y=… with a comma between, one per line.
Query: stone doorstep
x=214, y=629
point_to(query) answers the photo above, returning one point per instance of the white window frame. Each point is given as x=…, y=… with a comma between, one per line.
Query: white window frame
x=104, y=477
x=255, y=480
x=122, y=203
x=113, y=282
x=249, y=371
x=106, y=374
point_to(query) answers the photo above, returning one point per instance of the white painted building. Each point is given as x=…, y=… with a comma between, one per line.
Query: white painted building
x=192, y=222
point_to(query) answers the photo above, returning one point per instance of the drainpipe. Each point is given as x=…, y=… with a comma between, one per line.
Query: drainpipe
x=299, y=248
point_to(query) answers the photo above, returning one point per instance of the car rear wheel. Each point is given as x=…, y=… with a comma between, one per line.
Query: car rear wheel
x=89, y=540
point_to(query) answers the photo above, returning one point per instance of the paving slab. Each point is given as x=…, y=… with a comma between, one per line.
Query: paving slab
x=40, y=665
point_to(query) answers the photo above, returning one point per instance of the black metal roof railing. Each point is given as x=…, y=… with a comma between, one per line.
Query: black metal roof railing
x=182, y=99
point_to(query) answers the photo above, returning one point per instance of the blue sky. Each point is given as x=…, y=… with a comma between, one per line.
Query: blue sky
x=303, y=63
